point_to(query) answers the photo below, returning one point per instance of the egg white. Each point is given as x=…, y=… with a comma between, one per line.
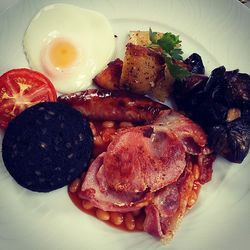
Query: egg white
x=91, y=34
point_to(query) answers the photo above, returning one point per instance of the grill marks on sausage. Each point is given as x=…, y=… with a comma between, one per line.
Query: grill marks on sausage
x=115, y=105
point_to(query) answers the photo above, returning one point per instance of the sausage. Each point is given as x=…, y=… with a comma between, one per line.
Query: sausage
x=114, y=105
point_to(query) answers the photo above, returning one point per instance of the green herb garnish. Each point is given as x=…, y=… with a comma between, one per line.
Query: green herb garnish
x=169, y=44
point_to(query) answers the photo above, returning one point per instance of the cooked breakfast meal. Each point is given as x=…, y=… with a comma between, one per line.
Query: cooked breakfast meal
x=127, y=158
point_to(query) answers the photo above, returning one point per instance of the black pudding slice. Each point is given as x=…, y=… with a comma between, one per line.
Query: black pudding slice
x=47, y=146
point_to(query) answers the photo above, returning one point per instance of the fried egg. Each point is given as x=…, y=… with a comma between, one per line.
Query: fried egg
x=69, y=45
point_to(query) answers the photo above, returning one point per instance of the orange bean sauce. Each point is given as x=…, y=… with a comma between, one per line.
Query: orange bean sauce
x=124, y=221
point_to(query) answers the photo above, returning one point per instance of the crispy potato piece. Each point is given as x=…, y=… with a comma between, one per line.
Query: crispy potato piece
x=109, y=78
x=163, y=86
x=141, y=37
x=141, y=68
x=163, y=83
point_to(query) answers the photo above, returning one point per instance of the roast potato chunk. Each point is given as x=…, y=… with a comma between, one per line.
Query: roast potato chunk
x=109, y=78
x=141, y=37
x=164, y=85
x=141, y=69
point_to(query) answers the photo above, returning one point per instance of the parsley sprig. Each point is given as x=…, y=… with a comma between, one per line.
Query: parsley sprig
x=169, y=43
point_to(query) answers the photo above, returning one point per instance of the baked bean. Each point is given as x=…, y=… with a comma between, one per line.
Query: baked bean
x=196, y=171
x=107, y=134
x=98, y=140
x=108, y=124
x=102, y=215
x=129, y=221
x=87, y=205
x=192, y=199
x=116, y=218
x=169, y=236
x=74, y=185
x=196, y=186
x=125, y=124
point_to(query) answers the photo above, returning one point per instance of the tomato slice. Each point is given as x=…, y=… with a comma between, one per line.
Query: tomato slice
x=20, y=89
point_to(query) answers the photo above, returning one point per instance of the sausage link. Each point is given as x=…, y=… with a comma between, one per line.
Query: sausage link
x=106, y=105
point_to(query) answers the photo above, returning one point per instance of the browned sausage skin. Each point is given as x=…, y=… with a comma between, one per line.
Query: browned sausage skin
x=114, y=105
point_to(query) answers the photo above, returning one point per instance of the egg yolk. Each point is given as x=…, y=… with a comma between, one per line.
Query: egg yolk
x=62, y=53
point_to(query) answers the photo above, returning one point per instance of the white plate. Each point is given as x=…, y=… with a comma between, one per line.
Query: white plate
x=219, y=31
